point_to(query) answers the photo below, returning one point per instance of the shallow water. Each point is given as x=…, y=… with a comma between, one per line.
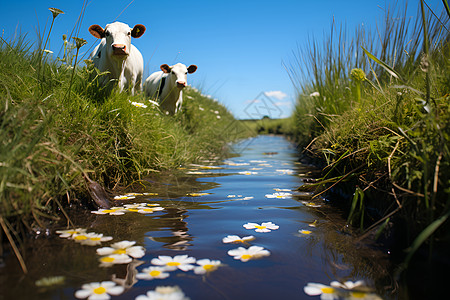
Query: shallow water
x=196, y=224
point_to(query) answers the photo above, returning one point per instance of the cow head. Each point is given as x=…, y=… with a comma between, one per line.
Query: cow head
x=118, y=37
x=178, y=73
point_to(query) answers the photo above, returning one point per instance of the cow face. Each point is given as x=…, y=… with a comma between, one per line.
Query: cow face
x=178, y=73
x=118, y=38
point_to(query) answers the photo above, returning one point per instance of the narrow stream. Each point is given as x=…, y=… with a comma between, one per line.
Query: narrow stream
x=309, y=244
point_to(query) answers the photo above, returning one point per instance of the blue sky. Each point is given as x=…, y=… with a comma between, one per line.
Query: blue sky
x=238, y=46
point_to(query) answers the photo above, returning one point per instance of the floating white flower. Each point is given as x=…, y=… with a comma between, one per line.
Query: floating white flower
x=206, y=265
x=152, y=273
x=356, y=290
x=91, y=238
x=115, y=211
x=182, y=262
x=164, y=293
x=149, y=210
x=138, y=104
x=197, y=194
x=70, y=232
x=326, y=292
x=311, y=204
x=248, y=173
x=264, y=227
x=99, y=290
x=305, y=232
x=124, y=197
x=348, y=285
x=123, y=247
x=246, y=254
x=279, y=195
x=281, y=190
x=237, y=239
x=114, y=259
x=285, y=171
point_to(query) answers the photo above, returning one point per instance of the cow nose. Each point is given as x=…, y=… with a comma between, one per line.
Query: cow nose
x=119, y=48
x=181, y=84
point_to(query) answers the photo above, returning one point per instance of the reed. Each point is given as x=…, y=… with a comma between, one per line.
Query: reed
x=383, y=128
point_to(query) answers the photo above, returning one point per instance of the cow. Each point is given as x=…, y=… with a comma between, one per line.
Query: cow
x=118, y=56
x=167, y=86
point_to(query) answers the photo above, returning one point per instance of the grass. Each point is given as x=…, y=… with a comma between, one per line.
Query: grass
x=58, y=127
x=270, y=126
x=374, y=109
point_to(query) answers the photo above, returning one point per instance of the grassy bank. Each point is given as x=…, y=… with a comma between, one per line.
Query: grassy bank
x=270, y=126
x=374, y=109
x=58, y=127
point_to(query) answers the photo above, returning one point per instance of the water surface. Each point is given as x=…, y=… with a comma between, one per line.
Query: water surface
x=195, y=225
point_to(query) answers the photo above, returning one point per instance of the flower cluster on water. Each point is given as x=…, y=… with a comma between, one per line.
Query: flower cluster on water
x=80, y=235
x=142, y=208
x=337, y=290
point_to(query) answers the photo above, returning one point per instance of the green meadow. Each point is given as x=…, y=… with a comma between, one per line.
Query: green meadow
x=373, y=110
x=60, y=130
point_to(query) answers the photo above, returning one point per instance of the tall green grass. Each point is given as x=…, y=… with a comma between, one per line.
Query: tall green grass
x=58, y=127
x=374, y=106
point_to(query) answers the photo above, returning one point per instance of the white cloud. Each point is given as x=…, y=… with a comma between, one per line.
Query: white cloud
x=276, y=94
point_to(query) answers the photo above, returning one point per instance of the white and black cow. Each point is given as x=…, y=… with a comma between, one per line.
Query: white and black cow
x=167, y=86
x=117, y=55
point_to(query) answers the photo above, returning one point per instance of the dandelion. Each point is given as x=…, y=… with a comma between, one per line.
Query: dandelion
x=152, y=273
x=70, y=232
x=164, y=293
x=138, y=104
x=206, y=266
x=279, y=195
x=115, y=211
x=325, y=292
x=182, y=262
x=264, y=227
x=91, y=238
x=99, y=290
x=123, y=247
x=246, y=254
x=114, y=259
x=237, y=239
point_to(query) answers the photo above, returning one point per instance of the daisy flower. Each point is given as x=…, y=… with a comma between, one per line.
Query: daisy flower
x=248, y=173
x=326, y=292
x=152, y=273
x=264, y=227
x=356, y=290
x=279, y=195
x=246, y=254
x=236, y=239
x=70, y=232
x=164, y=293
x=138, y=104
x=114, y=259
x=124, y=197
x=182, y=262
x=91, y=238
x=123, y=247
x=116, y=211
x=305, y=232
x=149, y=210
x=285, y=171
x=206, y=265
x=99, y=290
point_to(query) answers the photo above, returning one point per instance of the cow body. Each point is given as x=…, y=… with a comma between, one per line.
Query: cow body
x=167, y=85
x=118, y=56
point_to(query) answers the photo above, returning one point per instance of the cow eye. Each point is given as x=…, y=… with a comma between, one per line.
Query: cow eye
x=129, y=33
x=106, y=33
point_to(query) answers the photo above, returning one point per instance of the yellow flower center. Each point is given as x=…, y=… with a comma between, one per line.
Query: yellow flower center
x=208, y=267
x=108, y=211
x=107, y=259
x=120, y=251
x=260, y=227
x=246, y=256
x=155, y=273
x=100, y=290
x=173, y=264
x=80, y=237
x=95, y=239
x=358, y=295
x=133, y=209
x=327, y=290
x=306, y=231
x=148, y=209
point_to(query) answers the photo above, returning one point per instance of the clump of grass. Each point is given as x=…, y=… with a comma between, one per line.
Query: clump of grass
x=385, y=132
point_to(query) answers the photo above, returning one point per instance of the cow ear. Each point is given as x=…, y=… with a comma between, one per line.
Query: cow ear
x=138, y=31
x=192, y=69
x=165, y=68
x=97, y=31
